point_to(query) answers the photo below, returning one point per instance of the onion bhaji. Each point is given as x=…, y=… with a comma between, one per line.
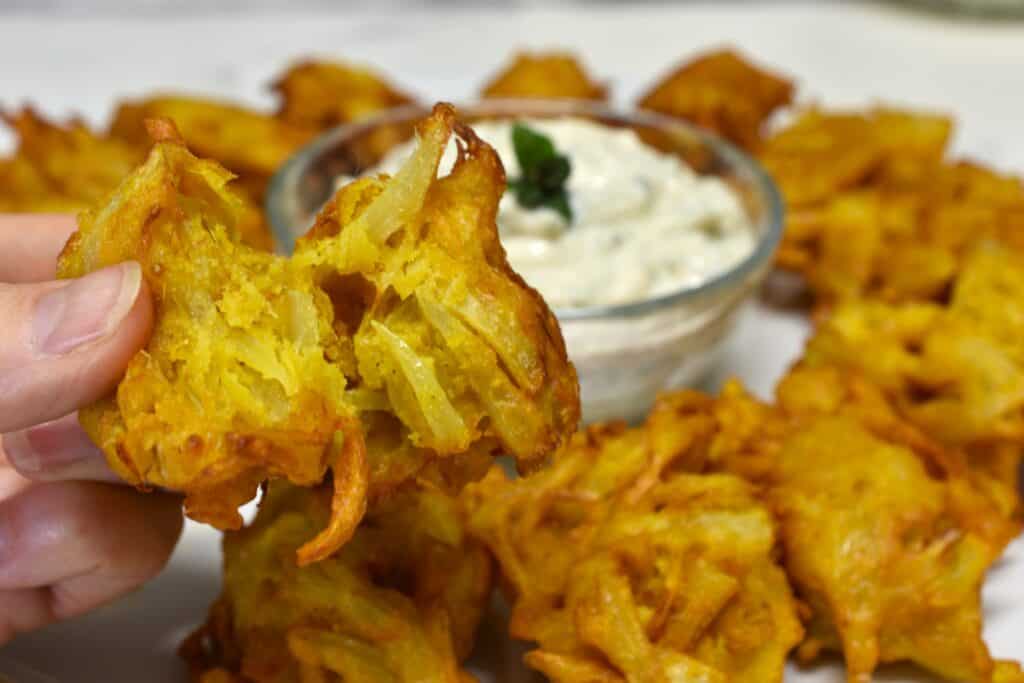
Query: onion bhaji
x=400, y=602
x=319, y=95
x=956, y=371
x=70, y=168
x=889, y=575
x=61, y=168
x=552, y=75
x=624, y=567
x=397, y=334
x=875, y=209
x=886, y=538
x=250, y=144
x=23, y=189
x=723, y=92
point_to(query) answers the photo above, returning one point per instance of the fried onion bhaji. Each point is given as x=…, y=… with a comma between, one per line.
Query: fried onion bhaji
x=955, y=370
x=875, y=209
x=320, y=95
x=551, y=75
x=397, y=334
x=723, y=92
x=886, y=539
x=250, y=144
x=23, y=189
x=70, y=168
x=621, y=566
x=61, y=168
x=400, y=602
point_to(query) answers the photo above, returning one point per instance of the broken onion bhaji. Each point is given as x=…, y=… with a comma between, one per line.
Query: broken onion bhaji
x=875, y=209
x=887, y=575
x=320, y=95
x=621, y=566
x=400, y=602
x=723, y=92
x=955, y=370
x=396, y=335
x=551, y=75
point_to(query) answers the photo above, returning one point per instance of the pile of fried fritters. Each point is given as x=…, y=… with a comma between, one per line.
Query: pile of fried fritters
x=366, y=381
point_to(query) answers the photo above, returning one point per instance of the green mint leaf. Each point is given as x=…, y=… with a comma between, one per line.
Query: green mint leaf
x=531, y=147
x=544, y=172
x=552, y=173
x=560, y=203
x=529, y=196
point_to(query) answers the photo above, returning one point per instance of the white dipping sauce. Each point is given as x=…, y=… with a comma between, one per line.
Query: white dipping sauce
x=644, y=224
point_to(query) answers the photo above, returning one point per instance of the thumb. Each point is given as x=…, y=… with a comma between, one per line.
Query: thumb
x=64, y=344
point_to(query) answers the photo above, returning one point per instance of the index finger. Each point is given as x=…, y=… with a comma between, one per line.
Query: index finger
x=30, y=244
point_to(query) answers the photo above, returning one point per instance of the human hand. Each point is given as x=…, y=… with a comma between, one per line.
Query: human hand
x=71, y=538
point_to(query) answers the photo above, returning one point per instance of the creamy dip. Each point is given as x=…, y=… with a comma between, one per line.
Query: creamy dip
x=644, y=224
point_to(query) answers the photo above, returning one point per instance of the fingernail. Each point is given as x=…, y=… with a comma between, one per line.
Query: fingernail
x=56, y=450
x=85, y=309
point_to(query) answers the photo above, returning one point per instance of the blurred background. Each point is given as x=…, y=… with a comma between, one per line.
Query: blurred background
x=964, y=58
x=68, y=56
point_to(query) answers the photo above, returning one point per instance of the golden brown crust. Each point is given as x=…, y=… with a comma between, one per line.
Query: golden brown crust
x=621, y=565
x=397, y=323
x=953, y=371
x=60, y=167
x=885, y=576
x=400, y=602
x=351, y=475
x=545, y=75
x=875, y=209
x=723, y=92
x=250, y=144
x=163, y=129
x=319, y=95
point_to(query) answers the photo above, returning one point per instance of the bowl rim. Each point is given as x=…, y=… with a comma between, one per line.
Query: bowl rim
x=285, y=180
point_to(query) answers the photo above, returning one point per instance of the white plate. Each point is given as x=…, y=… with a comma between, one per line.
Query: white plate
x=134, y=640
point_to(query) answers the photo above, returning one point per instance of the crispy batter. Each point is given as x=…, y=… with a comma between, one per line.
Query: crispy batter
x=723, y=92
x=319, y=95
x=23, y=189
x=397, y=323
x=823, y=153
x=400, y=602
x=73, y=163
x=876, y=210
x=955, y=371
x=549, y=75
x=887, y=576
x=250, y=144
x=70, y=168
x=623, y=568
x=60, y=168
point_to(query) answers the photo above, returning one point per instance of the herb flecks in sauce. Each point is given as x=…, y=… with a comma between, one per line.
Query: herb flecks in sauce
x=544, y=172
x=644, y=224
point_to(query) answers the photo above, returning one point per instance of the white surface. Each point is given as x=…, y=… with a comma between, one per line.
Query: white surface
x=842, y=54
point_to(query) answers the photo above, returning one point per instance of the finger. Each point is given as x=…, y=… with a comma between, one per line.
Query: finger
x=30, y=244
x=10, y=481
x=56, y=451
x=23, y=610
x=66, y=343
x=68, y=547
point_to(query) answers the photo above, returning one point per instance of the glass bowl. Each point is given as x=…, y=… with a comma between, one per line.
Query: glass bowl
x=624, y=354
